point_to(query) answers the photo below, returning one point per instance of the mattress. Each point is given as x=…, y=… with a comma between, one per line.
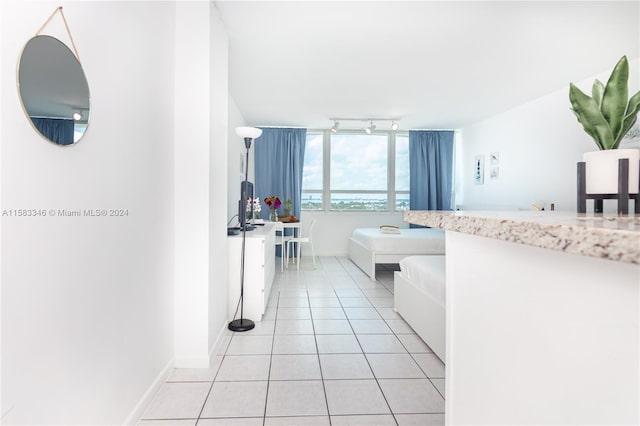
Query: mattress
x=410, y=241
x=426, y=273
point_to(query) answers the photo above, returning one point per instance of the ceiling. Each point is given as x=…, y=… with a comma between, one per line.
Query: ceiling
x=433, y=64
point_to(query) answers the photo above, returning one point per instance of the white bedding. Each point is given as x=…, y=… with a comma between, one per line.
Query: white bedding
x=413, y=241
x=427, y=273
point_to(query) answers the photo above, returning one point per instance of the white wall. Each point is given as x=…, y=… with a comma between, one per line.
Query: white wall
x=192, y=174
x=539, y=145
x=235, y=152
x=218, y=179
x=87, y=303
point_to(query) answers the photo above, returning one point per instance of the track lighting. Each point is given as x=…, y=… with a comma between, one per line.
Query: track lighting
x=368, y=130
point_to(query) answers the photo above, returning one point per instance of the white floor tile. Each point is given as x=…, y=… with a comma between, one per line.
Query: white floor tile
x=439, y=384
x=250, y=345
x=362, y=313
x=399, y=326
x=293, y=302
x=431, y=365
x=345, y=366
x=176, y=422
x=246, y=421
x=414, y=343
x=388, y=313
x=178, y=401
x=372, y=343
x=297, y=421
x=420, y=419
x=370, y=326
x=236, y=399
x=377, y=292
x=355, y=302
x=294, y=344
x=293, y=313
x=332, y=327
x=296, y=398
x=368, y=420
x=394, y=366
x=328, y=313
x=355, y=397
x=244, y=367
x=337, y=344
x=286, y=326
x=382, y=302
x=412, y=396
x=349, y=292
x=295, y=367
x=324, y=302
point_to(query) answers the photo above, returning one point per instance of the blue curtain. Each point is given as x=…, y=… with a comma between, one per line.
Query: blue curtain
x=279, y=157
x=430, y=169
x=58, y=130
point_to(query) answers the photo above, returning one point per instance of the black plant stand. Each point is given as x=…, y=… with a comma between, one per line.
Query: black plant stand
x=622, y=196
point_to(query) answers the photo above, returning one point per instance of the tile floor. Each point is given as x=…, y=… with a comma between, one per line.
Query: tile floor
x=330, y=350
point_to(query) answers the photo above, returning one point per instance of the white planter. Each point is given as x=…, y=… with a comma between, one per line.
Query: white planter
x=602, y=170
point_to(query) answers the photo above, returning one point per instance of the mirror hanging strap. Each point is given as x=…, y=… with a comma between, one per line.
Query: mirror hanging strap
x=73, y=44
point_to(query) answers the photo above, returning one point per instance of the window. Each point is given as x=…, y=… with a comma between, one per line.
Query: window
x=402, y=172
x=356, y=172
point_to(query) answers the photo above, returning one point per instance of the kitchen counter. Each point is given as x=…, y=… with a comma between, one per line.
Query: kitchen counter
x=607, y=237
x=542, y=317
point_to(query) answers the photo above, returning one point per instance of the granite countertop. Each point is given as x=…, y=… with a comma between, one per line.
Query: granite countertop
x=607, y=237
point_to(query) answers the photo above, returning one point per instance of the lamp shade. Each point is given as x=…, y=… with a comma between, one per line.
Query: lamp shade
x=248, y=132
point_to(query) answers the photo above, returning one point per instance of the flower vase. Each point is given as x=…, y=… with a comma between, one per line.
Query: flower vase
x=256, y=214
x=274, y=216
x=287, y=212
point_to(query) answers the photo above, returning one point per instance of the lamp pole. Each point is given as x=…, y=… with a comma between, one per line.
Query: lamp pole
x=242, y=323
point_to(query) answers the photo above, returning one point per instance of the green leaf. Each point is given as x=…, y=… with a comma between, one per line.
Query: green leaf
x=597, y=91
x=615, y=97
x=630, y=117
x=589, y=115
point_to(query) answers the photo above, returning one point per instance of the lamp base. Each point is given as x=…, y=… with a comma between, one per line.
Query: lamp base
x=241, y=324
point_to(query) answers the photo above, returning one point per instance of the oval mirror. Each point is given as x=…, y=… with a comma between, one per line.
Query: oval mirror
x=54, y=90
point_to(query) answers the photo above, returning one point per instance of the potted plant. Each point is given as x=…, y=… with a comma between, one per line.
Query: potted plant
x=607, y=115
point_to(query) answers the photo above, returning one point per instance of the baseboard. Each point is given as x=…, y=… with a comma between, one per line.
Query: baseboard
x=144, y=402
x=221, y=340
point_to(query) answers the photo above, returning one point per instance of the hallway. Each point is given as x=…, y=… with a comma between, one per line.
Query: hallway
x=329, y=351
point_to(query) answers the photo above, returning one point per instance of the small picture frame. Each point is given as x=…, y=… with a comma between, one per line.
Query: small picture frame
x=478, y=170
x=494, y=158
x=494, y=172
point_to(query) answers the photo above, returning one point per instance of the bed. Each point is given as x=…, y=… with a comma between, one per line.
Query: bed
x=368, y=247
x=419, y=298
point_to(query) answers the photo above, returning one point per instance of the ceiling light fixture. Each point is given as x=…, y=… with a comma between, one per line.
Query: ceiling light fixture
x=368, y=130
x=77, y=116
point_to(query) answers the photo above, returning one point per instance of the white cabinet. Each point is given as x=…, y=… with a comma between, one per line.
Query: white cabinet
x=259, y=271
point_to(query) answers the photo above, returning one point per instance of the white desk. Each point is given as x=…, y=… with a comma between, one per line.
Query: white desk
x=259, y=270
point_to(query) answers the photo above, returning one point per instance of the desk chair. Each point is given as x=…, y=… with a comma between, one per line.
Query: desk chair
x=281, y=240
x=300, y=239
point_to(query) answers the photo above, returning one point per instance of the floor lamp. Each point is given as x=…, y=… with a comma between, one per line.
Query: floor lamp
x=249, y=134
